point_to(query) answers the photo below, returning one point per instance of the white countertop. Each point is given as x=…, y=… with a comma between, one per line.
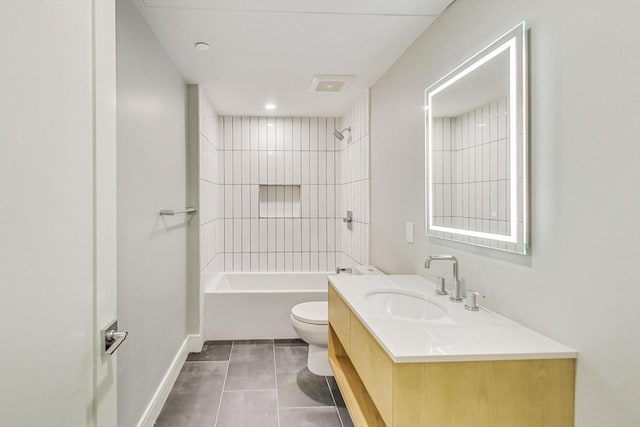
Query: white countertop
x=461, y=335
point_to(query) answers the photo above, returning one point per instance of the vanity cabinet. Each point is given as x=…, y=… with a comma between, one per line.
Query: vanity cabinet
x=496, y=393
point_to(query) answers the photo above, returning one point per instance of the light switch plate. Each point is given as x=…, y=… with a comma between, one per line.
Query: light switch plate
x=409, y=232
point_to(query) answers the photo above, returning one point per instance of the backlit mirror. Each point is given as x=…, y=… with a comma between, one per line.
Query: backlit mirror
x=476, y=148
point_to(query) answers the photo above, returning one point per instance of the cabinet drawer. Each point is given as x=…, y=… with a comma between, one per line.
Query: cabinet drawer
x=340, y=319
x=374, y=368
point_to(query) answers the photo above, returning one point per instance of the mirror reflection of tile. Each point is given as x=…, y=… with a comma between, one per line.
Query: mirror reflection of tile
x=471, y=169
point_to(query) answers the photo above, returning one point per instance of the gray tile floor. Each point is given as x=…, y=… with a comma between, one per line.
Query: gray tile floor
x=259, y=383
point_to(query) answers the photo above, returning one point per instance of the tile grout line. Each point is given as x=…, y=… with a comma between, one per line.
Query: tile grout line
x=335, y=404
x=275, y=379
x=224, y=383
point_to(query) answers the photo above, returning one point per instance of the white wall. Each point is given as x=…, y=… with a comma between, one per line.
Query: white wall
x=581, y=283
x=152, y=292
x=280, y=151
x=354, y=166
x=46, y=214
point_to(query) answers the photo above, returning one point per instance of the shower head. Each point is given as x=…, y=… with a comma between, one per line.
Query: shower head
x=339, y=134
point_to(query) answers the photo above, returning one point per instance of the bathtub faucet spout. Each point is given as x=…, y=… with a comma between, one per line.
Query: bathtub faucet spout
x=343, y=270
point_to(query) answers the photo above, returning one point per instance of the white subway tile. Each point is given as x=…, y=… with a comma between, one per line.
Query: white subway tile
x=237, y=135
x=322, y=201
x=264, y=263
x=280, y=167
x=246, y=235
x=304, y=200
x=255, y=201
x=254, y=135
x=262, y=134
x=264, y=236
x=288, y=168
x=228, y=262
x=313, y=234
x=297, y=234
x=246, y=167
x=305, y=167
x=296, y=177
x=322, y=235
x=228, y=133
x=255, y=262
x=305, y=234
x=237, y=167
x=313, y=167
x=288, y=261
x=279, y=122
x=313, y=201
x=246, y=262
x=271, y=167
x=297, y=261
x=304, y=133
x=246, y=133
x=228, y=201
x=297, y=133
x=237, y=236
x=271, y=134
x=271, y=235
x=322, y=167
x=313, y=134
x=255, y=235
x=271, y=262
x=322, y=261
x=313, y=258
x=279, y=201
x=228, y=167
x=288, y=235
x=288, y=134
x=322, y=134
x=306, y=261
x=263, y=167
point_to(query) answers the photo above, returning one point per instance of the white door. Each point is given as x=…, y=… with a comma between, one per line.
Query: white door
x=57, y=212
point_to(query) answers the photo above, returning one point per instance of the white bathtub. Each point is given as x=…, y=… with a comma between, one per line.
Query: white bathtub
x=258, y=305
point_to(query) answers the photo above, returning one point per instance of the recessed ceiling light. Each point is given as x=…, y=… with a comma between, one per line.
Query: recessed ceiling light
x=270, y=106
x=202, y=46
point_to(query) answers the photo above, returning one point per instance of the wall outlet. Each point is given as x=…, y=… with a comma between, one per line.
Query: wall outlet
x=409, y=232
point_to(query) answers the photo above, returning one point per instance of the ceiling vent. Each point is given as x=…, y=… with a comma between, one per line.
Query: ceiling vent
x=329, y=82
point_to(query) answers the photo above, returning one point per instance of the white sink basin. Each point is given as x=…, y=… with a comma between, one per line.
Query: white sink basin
x=405, y=304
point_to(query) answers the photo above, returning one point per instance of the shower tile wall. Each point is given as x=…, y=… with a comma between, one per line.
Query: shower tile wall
x=211, y=192
x=280, y=154
x=355, y=183
x=471, y=172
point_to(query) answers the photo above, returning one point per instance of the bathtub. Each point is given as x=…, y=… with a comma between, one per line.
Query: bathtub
x=258, y=305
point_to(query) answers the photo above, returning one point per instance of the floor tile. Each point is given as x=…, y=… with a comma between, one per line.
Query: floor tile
x=212, y=351
x=251, y=366
x=309, y=417
x=343, y=413
x=291, y=358
x=289, y=342
x=303, y=389
x=248, y=409
x=195, y=396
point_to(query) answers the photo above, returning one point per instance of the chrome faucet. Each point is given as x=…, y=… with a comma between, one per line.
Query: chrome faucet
x=456, y=294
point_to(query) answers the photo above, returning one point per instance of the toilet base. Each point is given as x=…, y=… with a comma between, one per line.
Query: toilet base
x=318, y=361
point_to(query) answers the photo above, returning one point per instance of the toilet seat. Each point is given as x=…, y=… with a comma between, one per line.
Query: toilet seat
x=314, y=313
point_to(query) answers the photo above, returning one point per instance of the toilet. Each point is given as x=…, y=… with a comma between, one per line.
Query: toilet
x=310, y=320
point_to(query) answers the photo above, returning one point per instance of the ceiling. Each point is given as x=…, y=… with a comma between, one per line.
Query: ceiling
x=267, y=51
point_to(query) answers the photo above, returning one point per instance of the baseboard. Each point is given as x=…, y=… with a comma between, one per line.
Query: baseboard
x=192, y=343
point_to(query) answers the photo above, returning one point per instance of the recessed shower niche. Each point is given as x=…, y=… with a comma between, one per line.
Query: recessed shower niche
x=280, y=201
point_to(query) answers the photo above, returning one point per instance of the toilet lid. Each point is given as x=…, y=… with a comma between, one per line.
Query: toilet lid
x=316, y=312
